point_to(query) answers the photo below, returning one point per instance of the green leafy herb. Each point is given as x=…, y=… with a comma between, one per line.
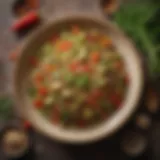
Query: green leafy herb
x=135, y=19
x=5, y=108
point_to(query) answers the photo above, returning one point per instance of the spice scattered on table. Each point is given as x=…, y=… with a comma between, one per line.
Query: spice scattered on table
x=15, y=143
x=25, y=21
x=110, y=6
x=152, y=101
x=143, y=121
x=134, y=144
x=21, y=7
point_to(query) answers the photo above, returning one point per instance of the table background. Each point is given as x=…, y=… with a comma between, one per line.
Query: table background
x=43, y=147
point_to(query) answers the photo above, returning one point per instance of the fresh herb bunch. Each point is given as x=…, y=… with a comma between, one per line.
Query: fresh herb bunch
x=141, y=22
x=5, y=108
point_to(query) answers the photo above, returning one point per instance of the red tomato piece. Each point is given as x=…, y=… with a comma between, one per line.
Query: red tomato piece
x=64, y=46
x=84, y=68
x=25, y=21
x=116, y=99
x=95, y=57
x=43, y=91
x=39, y=78
x=38, y=103
x=74, y=66
x=97, y=93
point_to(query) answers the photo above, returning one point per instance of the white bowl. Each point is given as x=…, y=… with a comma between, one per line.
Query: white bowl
x=108, y=127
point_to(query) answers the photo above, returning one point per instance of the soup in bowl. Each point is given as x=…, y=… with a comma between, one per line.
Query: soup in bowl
x=78, y=79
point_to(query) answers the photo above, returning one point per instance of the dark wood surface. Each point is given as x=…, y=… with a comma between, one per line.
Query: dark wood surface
x=44, y=148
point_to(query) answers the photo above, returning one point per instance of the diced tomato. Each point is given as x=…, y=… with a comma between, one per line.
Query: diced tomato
x=33, y=61
x=39, y=78
x=95, y=57
x=74, y=66
x=38, y=103
x=91, y=101
x=115, y=99
x=64, y=46
x=97, y=93
x=84, y=68
x=43, y=91
x=75, y=29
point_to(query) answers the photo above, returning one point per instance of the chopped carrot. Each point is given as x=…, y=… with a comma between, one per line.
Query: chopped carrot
x=115, y=100
x=64, y=46
x=106, y=42
x=43, y=91
x=49, y=68
x=38, y=103
x=13, y=56
x=95, y=57
x=75, y=29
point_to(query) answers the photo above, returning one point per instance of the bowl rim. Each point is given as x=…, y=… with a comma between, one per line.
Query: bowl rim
x=98, y=132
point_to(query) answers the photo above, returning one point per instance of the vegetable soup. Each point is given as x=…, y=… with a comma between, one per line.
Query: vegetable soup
x=78, y=79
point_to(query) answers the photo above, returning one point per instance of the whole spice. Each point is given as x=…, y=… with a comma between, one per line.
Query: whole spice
x=27, y=20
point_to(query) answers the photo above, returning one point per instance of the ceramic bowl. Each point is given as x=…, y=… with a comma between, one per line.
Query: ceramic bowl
x=108, y=127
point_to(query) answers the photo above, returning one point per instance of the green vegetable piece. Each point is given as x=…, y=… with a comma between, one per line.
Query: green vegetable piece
x=65, y=115
x=82, y=81
x=70, y=78
x=5, y=108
